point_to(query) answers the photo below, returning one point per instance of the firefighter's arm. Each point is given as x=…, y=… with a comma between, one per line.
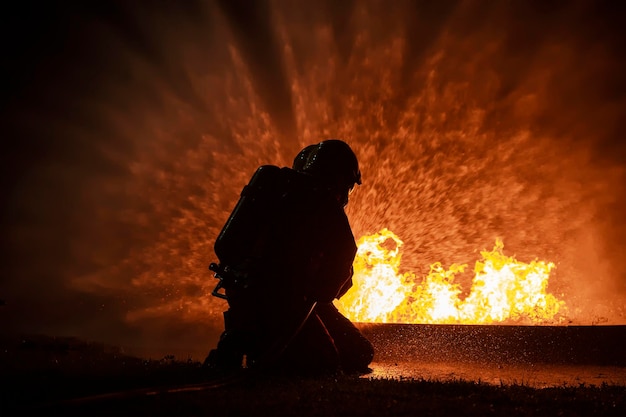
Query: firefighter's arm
x=332, y=281
x=347, y=285
x=336, y=250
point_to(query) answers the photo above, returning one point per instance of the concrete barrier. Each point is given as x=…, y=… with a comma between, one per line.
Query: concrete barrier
x=581, y=345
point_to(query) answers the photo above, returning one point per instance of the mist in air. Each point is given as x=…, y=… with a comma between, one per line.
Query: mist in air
x=131, y=129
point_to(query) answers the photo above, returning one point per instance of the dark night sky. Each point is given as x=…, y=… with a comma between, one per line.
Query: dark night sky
x=85, y=83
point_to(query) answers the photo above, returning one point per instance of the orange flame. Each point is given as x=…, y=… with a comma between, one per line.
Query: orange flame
x=504, y=290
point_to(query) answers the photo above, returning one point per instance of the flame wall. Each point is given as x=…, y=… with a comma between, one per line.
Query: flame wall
x=132, y=129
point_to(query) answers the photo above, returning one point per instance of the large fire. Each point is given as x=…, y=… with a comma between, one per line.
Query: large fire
x=468, y=121
x=503, y=289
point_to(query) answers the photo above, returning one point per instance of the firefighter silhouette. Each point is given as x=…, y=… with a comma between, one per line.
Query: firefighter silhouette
x=285, y=254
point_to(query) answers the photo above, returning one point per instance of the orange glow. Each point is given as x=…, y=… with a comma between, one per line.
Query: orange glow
x=462, y=134
x=503, y=290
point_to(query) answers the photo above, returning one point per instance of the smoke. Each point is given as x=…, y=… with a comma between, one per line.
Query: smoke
x=131, y=129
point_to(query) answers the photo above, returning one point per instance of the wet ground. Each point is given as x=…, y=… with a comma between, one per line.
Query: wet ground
x=531, y=355
x=536, y=376
x=65, y=376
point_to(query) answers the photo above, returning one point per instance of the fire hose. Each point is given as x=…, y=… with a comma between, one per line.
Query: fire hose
x=219, y=381
x=262, y=364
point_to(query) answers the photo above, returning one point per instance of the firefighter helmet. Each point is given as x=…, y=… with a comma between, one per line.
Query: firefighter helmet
x=301, y=159
x=333, y=162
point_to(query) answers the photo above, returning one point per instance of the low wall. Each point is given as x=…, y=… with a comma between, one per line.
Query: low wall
x=592, y=345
